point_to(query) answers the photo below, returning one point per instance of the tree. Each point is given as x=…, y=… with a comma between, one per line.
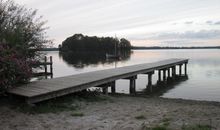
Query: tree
x=22, y=33
x=124, y=43
x=21, y=28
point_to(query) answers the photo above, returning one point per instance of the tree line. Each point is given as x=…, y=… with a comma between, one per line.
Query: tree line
x=83, y=43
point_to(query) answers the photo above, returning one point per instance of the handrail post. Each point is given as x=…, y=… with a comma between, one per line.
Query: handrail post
x=51, y=66
x=45, y=66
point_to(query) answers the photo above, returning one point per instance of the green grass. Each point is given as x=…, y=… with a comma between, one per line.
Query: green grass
x=140, y=117
x=80, y=114
x=166, y=121
x=159, y=128
x=197, y=127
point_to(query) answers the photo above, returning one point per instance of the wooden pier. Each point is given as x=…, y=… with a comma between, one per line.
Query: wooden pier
x=46, y=89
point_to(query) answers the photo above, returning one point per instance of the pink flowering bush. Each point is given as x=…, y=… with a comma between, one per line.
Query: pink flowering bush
x=14, y=68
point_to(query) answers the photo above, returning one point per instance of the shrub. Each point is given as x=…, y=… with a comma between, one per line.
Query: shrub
x=14, y=68
x=22, y=34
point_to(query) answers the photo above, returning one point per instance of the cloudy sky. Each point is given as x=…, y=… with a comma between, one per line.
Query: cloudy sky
x=143, y=22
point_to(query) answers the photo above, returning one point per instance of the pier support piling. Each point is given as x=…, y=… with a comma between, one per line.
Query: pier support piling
x=149, y=85
x=173, y=72
x=105, y=90
x=132, y=84
x=180, y=69
x=164, y=75
x=168, y=72
x=159, y=75
x=113, y=87
x=185, y=68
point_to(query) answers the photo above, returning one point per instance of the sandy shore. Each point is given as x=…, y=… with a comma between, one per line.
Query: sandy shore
x=118, y=113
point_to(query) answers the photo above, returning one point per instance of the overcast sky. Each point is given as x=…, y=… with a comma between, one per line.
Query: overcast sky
x=143, y=22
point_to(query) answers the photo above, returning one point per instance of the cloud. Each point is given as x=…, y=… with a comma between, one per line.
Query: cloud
x=217, y=23
x=209, y=22
x=202, y=34
x=212, y=22
x=189, y=22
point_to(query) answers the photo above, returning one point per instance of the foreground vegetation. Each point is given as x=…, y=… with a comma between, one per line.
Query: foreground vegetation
x=22, y=33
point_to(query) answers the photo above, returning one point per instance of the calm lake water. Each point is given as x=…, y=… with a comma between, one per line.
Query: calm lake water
x=203, y=71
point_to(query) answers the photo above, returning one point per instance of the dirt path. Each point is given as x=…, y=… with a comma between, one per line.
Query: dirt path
x=119, y=113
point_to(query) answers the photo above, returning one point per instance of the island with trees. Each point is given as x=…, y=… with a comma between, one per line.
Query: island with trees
x=81, y=43
x=80, y=50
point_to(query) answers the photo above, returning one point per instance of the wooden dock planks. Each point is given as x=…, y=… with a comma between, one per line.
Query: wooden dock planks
x=46, y=89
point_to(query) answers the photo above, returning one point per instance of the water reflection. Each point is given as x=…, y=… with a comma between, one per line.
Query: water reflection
x=84, y=59
x=161, y=87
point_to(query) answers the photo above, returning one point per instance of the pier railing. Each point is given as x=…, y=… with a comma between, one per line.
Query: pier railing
x=48, y=71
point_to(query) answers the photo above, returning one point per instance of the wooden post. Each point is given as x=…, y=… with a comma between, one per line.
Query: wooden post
x=168, y=73
x=185, y=68
x=45, y=66
x=180, y=69
x=149, y=85
x=164, y=75
x=132, y=85
x=105, y=90
x=173, y=72
x=113, y=87
x=159, y=75
x=51, y=65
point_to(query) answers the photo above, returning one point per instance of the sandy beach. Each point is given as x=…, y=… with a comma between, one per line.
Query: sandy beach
x=117, y=113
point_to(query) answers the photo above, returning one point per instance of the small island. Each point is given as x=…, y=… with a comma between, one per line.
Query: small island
x=81, y=43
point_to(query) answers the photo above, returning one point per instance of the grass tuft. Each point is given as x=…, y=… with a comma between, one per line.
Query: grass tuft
x=197, y=127
x=80, y=114
x=159, y=128
x=140, y=117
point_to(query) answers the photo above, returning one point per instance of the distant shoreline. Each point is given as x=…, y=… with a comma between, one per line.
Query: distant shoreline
x=160, y=48
x=149, y=48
